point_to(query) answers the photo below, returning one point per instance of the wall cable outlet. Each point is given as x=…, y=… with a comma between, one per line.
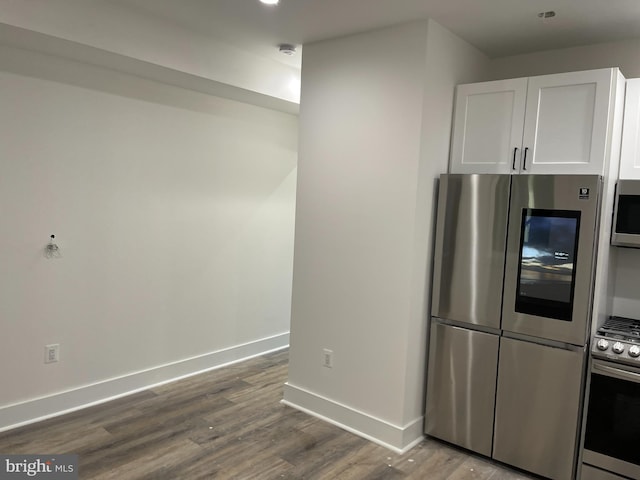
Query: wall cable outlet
x=327, y=358
x=52, y=353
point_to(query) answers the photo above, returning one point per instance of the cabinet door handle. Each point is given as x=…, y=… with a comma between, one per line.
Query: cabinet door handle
x=515, y=152
x=524, y=160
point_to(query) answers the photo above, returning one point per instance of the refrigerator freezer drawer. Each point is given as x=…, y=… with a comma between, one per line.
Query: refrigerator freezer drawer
x=538, y=408
x=461, y=387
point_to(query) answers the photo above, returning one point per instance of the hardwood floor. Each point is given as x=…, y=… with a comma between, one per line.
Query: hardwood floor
x=229, y=424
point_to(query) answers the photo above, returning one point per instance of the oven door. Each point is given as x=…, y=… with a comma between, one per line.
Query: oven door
x=613, y=419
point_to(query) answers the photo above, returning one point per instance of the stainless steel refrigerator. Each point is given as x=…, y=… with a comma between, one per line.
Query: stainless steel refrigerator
x=511, y=310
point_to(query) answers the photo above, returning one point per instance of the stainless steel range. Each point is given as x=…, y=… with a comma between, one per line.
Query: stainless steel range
x=618, y=340
x=613, y=417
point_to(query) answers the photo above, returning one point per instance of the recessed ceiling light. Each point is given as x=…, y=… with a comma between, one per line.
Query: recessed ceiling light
x=270, y=2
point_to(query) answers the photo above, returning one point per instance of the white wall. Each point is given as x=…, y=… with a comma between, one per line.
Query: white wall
x=623, y=54
x=131, y=33
x=174, y=214
x=627, y=301
x=374, y=128
x=360, y=123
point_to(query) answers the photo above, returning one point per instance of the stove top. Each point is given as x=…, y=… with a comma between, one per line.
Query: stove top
x=618, y=340
x=621, y=326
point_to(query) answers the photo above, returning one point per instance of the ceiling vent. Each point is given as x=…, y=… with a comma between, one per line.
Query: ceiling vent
x=545, y=15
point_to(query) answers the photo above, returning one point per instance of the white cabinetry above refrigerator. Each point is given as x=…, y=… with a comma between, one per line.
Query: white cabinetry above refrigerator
x=630, y=155
x=549, y=124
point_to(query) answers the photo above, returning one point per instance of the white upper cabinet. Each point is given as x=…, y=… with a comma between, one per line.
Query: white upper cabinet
x=630, y=154
x=551, y=124
x=488, y=123
x=566, y=122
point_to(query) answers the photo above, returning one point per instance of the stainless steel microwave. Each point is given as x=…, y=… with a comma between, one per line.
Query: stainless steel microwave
x=626, y=215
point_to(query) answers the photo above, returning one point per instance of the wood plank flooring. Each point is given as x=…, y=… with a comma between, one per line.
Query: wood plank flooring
x=229, y=424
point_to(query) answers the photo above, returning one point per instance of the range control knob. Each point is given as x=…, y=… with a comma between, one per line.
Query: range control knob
x=618, y=347
x=634, y=351
x=602, y=344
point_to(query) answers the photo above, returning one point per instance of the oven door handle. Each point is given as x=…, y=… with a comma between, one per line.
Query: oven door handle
x=616, y=372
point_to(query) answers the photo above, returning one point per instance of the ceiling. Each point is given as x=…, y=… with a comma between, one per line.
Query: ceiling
x=497, y=27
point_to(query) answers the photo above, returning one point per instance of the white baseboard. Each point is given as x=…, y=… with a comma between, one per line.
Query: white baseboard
x=400, y=439
x=35, y=410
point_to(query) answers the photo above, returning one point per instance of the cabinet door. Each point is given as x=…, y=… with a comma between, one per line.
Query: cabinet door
x=630, y=155
x=488, y=123
x=566, y=122
x=538, y=404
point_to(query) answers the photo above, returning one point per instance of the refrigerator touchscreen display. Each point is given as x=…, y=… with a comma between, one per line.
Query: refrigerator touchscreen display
x=546, y=268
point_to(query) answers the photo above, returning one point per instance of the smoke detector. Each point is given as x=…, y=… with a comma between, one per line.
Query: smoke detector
x=287, y=49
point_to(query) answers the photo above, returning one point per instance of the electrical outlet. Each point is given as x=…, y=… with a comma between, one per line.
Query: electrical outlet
x=327, y=358
x=51, y=353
